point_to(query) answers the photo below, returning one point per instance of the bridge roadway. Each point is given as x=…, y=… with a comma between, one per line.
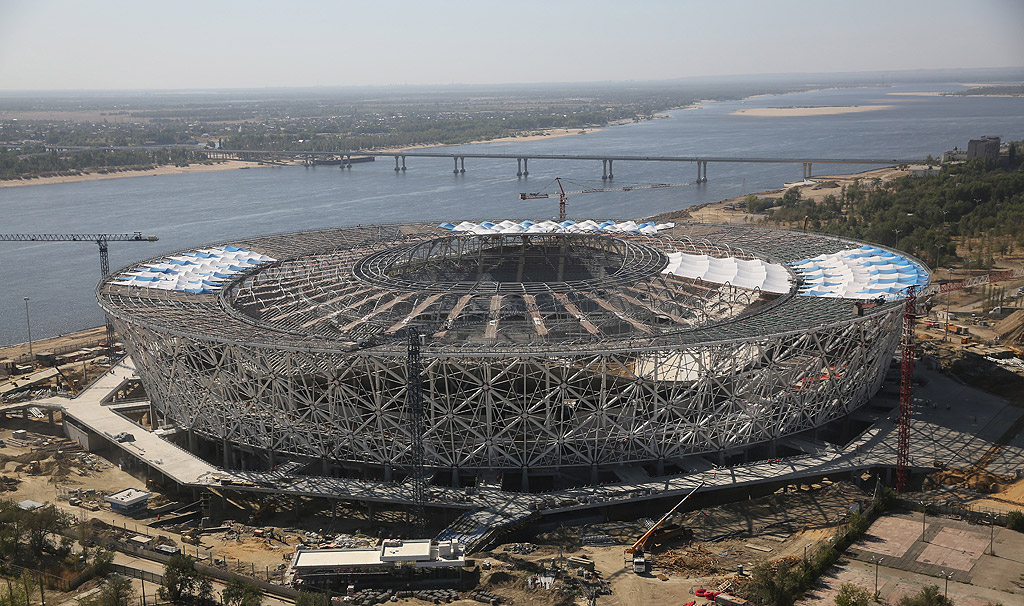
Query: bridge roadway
x=532, y=156
x=522, y=159
x=958, y=435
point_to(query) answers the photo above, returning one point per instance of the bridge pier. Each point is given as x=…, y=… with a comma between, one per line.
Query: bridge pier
x=604, y=170
x=610, y=175
x=463, y=161
x=396, y=164
x=526, y=167
x=456, y=171
x=519, y=167
x=807, y=171
x=403, y=164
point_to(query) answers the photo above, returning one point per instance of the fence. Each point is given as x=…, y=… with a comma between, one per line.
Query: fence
x=216, y=572
x=50, y=580
x=974, y=514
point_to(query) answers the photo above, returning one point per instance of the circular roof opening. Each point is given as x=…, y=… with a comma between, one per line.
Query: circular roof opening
x=519, y=262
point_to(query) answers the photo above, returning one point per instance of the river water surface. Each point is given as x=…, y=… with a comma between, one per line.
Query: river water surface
x=195, y=209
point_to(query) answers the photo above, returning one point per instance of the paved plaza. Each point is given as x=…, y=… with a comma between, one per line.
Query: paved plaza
x=951, y=549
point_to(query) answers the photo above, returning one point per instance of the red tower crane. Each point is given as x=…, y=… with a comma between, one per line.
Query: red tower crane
x=563, y=195
x=907, y=367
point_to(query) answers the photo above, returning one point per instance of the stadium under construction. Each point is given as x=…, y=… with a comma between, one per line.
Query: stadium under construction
x=550, y=355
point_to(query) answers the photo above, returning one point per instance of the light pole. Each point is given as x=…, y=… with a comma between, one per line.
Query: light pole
x=877, y=561
x=945, y=336
x=897, y=244
x=28, y=325
x=945, y=592
x=991, y=533
x=924, y=516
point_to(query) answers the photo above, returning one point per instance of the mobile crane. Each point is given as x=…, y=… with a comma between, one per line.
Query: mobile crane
x=637, y=549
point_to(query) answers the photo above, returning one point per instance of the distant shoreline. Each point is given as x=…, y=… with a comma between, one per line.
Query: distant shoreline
x=804, y=111
x=219, y=165
x=166, y=169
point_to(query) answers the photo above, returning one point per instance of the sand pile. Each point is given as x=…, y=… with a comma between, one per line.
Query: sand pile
x=978, y=481
x=1010, y=330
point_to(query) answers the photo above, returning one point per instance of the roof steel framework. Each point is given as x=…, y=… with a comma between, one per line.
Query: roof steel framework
x=613, y=363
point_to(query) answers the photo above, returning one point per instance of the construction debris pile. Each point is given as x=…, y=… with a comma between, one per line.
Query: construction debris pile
x=368, y=597
x=8, y=484
x=314, y=540
x=520, y=548
x=974, y=479
x=692, y=562
x=55, y=457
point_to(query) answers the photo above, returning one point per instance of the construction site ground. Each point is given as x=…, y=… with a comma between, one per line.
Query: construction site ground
x=723, y=538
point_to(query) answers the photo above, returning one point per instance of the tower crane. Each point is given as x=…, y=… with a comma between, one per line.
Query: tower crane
x=101, y=240
x=563, y=195
x=907, y=366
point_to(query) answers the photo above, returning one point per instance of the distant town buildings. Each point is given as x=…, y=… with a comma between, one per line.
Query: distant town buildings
x=954, y=155
x=985, y=148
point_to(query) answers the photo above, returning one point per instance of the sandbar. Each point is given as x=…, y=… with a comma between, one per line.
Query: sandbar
x=929, y=93
x=167, y=169
x=799, y=112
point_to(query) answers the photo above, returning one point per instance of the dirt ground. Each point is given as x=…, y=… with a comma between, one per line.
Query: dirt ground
x=85, y=338
x=723, y=538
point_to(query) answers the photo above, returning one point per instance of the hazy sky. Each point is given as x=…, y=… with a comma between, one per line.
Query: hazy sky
x=145, y=44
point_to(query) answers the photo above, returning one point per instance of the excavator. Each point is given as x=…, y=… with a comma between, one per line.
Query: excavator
x=636, y=550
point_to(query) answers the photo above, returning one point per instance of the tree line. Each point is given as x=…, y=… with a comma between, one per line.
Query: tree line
x=966, y=213
x=16, y=164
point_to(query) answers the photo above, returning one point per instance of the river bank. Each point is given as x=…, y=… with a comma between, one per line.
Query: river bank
x=219, y=165
x=168, y=169
x=729, y=212
x=84, y=338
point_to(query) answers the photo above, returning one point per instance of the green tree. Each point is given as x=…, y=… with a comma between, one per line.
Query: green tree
x=184, y=585
x=1015, y=521
x=310, y=598
x=776, y=583
x=239, y=592
x=852, y=595
x=12, y=594
x=928, y=596
x=117, y=591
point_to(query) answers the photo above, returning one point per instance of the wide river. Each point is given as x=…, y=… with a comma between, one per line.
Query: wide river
x=202, y=208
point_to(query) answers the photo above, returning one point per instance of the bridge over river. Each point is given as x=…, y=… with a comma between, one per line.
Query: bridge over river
x=346, y=159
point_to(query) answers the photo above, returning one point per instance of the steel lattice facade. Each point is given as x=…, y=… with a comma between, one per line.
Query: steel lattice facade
x=302, y=359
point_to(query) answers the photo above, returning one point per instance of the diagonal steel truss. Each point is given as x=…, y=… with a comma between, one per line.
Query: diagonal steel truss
x=532, y=411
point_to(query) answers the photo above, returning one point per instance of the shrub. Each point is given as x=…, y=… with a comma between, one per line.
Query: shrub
x=1015, y=521
x=851, y=595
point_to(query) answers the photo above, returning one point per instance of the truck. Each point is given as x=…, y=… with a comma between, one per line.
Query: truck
x=636, y=550
x=639, y=563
